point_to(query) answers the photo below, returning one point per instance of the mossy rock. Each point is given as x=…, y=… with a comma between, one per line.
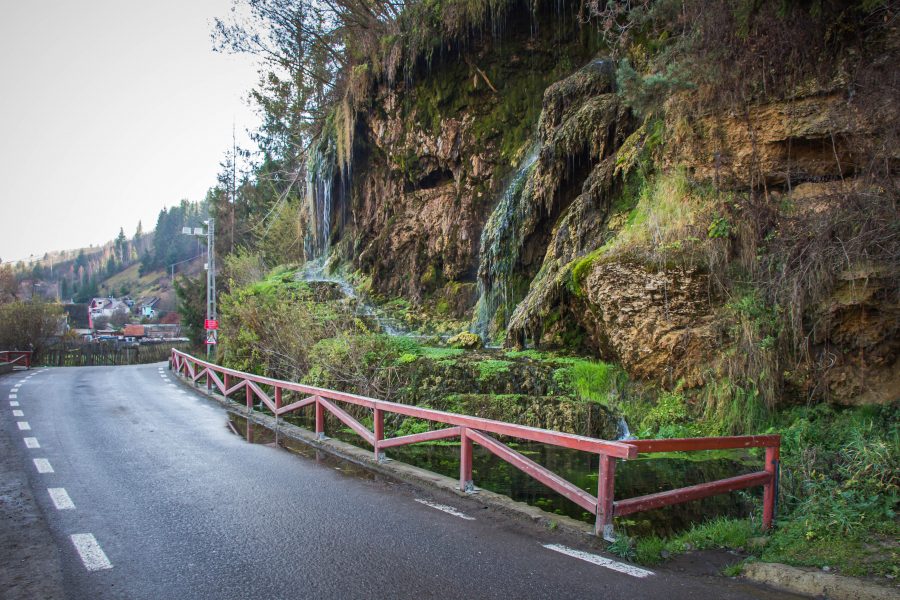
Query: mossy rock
x=465, y=340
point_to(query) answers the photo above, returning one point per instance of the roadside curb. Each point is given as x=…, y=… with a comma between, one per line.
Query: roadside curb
x=399, y=470
x=813, y=582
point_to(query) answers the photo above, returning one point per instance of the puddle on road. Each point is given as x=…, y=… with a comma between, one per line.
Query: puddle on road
x=260, y=434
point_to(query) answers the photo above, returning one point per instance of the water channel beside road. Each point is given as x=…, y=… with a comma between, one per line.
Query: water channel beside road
x=644, y=475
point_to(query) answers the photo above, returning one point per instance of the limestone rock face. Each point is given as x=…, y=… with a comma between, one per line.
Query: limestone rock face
x=660, y=325
x=856, y=343
x=433, y=153
x=421, y=204
x=810, y=138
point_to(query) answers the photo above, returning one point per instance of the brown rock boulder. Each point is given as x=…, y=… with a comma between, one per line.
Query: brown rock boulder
x=659, y=324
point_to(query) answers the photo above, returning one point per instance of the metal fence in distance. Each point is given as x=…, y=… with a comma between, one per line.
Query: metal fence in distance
x=91, y=354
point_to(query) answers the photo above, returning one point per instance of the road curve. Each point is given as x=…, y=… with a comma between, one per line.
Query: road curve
x=147, y=494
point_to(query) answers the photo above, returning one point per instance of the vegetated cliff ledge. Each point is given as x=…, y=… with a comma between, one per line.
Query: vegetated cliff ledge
x=754, y=242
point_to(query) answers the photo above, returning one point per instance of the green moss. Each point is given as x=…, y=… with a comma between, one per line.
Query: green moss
x=442, y=307
x=529, y=354
x=407, y=358
x=488, y=369
x=582, y=268
x=506, y=118
x=440, y=353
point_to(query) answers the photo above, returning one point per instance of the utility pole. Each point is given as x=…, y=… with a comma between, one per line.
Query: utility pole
x=233, y=182
x=211, y=325
x=211, y=333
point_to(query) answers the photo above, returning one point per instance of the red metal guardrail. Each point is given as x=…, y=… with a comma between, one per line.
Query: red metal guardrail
x=476, y=430
x=16, y=357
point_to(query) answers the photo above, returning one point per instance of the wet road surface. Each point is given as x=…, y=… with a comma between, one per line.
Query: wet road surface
x=147, y=494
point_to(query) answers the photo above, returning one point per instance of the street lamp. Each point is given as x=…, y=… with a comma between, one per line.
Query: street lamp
x=211, y=325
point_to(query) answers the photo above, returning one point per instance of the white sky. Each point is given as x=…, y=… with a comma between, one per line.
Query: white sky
x=110, y=110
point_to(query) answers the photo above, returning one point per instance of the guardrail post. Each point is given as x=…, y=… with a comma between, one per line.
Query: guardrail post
x=605, y=492
x=227, y=383
x=379, y=434
x=320, y=420
x=465, y=462
x=28, y=360
x=277, y=397
x=770, y=490
x=249, y=396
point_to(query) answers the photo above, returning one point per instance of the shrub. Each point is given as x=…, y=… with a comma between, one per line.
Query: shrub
x=28, y=325
x=590, y=381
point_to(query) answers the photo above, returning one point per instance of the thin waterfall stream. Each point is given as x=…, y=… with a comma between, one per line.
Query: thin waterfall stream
x=499, y=247
x=315, y=272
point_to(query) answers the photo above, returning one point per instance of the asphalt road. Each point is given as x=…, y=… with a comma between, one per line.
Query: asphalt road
x=161, y=500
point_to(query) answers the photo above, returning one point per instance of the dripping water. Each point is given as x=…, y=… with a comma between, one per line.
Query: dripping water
x=499, y=248
x=314, y=271
x=623, y=431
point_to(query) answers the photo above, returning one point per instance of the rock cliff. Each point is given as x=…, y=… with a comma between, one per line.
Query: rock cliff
x=508, y=181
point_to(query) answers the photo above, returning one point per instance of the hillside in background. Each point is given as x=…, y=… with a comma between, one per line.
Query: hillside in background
x=142, y=266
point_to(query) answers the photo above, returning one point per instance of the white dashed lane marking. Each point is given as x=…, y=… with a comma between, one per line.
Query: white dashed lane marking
x=600, y=561
x=23, y=425
x=13, y=396
x=43, y=465
x=91, y=553
x=31, y=442
x=14, y=403
x=60, y=498
x=447, y=509
x=18, y=413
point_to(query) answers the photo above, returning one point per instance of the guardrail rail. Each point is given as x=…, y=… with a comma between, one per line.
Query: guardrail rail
x=475, y=430
x=20, y=358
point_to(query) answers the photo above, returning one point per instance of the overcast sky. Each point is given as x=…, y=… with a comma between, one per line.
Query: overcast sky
x=109, y=111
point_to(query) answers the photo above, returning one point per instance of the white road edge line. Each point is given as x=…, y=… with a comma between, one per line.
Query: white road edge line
x=600, y=561
x=91, y=553
x=43, y=465
x=23, y=425
x=18, y=413
x=31, y=442
x=447, y=509
x=61, y=498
